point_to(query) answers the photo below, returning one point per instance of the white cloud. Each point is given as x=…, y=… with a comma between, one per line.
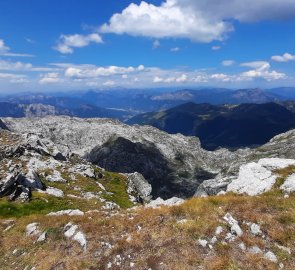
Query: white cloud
x=11, y=76
x=261, y=69
x=176, y=49
x=286, y=57
x=21, y=66
x=156, y=44
x=91, y=71
x=170, y=19
x=181, y=79
x=67, y=43
x=222, y=77
x=5, y=51
x=3, y=47
x=228, y=63
x=14, y=78
x=198, y=20
x=109, y=83
x=215, y=48
x=50, y=78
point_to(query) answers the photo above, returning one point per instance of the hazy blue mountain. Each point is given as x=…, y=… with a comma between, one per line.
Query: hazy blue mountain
x=231, y=126
x=8, y=109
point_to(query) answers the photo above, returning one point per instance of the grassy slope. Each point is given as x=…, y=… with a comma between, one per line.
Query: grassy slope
x=162, y=239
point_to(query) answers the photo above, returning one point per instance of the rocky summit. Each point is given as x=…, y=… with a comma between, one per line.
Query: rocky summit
x=100, y=194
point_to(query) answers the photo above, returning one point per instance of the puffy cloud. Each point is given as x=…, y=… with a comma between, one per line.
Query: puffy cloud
x=90, y=71
x=215, y=48
x=228, y=63
x=222, y=77
x=198, y=20
x=5, y=51
x=170, y=19
x=286, y=57
x=50, y=78
x=21, y=66
x=3, y=47
x=156, y=44
x=109, y=83
x=181, y=79
x=14, y=78
x=176, y=49
x=11, y=76
x=261, y=69
x=67, y=43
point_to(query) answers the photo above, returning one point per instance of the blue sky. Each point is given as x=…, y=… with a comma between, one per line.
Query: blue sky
x=90, y=44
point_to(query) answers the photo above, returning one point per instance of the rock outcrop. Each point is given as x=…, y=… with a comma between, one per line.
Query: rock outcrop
x=174, y=165
x=139, y=186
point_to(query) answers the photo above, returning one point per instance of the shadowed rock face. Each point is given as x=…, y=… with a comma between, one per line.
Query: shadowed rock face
x=2, y=125
x=121, y=155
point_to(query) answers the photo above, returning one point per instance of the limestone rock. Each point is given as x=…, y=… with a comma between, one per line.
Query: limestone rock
x=253, y=179
x=289, y=184
x=160, y=202
x=271, y=256
x=69, y=212
x=255, y=229
x=234, y=225
x=32, y=229
x=139, y=185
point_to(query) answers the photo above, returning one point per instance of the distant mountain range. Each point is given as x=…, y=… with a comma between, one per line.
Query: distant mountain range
x=123, y=104
x=9, y=109
x=135, y=101
x=231, y=126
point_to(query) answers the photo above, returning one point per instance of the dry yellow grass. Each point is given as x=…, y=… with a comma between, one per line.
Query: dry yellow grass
x=153, y=238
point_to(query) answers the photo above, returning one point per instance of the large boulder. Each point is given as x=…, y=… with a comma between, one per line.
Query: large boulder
x=258, y=177
x=139, y=185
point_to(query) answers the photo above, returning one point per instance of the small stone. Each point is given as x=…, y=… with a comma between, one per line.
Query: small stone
x=81, y=239
x=236, y=229
x=202, y=242
x=255, y=229
x=218, y=230
x=271, y=256
x=242, y=246
x=213, y=240
x=255, y=250
x=32, y=229
x=42, y=237
x=68, y=212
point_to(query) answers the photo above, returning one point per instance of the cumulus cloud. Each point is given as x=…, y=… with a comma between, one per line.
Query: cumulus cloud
x=286, y=57
x=14, y=78
x=109, y=83
x=176, y=49
x=215, y=48
x=156, y=44
x=91, y=71
x=67, y=43
x=227, y=63
x=181, y=79
x=170, y=19
x=49, y=78
x=261, y=69
x=21, y=66
x=198, y=20
x=5, y=51
x=3, y=47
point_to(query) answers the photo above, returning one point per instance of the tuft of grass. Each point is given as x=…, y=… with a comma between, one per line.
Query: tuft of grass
x=117, y=185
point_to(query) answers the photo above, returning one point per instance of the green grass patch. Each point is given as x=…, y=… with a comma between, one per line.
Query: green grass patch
x=117, y=184
x=44, y=204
